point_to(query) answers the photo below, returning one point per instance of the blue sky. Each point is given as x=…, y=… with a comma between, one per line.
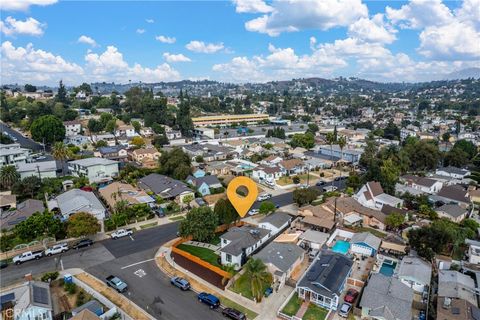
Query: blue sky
x=236, y=41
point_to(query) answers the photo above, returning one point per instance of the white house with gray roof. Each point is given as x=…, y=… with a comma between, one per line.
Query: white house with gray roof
x=281, y=259
x=415, y=273
x=456, y=285
x=453, y=172
x=95, y=169
x=386, y=298
x=166, y=187
x=238, y=243
x=44, y=169
x=28, y=301
x=453, y=212
x=275, y=222
x=365, y=244
x=325, y=279
x=76, y=200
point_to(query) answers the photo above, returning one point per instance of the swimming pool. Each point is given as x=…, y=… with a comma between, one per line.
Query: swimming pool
x=341, y=246
x=388, y=267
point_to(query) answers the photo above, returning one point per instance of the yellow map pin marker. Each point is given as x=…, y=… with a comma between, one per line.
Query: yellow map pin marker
x=242, y=204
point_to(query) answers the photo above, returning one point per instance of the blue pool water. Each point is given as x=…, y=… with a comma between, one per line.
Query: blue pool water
x=388, y=267
x=341, y=246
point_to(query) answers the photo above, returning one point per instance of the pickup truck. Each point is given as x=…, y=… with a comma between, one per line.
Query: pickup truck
x=27, y=256
x=58, y=248
x=121, y=233
x=264, y=196
x=116, y=284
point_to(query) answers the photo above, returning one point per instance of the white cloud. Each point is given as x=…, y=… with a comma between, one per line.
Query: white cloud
x=30, y=26
x=202, y=47
x=87, y=40
x=149, y=20
x=23, y=5
x=251, y=6
x=165, y=39
x=175, y=57
x=291, y=16
x=27, y=64
x=140, y=31
x=313, y=42
x=372, y=30
x=110, y=66
x=418, y=14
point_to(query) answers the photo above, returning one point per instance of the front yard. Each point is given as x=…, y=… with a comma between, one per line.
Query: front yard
x=283, y=181
x=291, y=308
x=203, y=253
x=315, y=313
x=242, y=286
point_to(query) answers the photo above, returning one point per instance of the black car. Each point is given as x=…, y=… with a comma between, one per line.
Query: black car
x=82, y=243
x=233, y=314
x=3, y=264
x=320, y=183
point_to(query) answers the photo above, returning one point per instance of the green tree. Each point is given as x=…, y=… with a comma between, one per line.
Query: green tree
x=61, y=153
x=138, y=142
x=266, y=207
x=137, y=126
x=391, y=131
x=467, y=146
x=342, y=142
x=200, y=224
x=82, y=224
x=225, y=211
x=184, y=120
x=456, y=157
x=62, y=95
x=175, y=163
x=4, y=139
x=389, y=175
x=257, y=272
x=423, y=155
x=94, y=125
x=8, y=176
x=354, y=181
x=394, y=220
x=331, y=139
x=30, y=88
x=48, y=129
x=306, y=140
x=28, y=186
x=313, y=128
x=305, y=196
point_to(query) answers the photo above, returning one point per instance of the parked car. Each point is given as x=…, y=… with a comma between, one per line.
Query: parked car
x=3, y=264
x=304, y=186
x=159, y=212
x=345, y=310
x=120, y=233
x=329, y=188
x=320, y=183
x=58, y=248
x=233, y=314
x=268, y=292
x=264, y=196
x=82, y=243
x=27, y=256
x=181, y=283
x=209, y=299
x=252, y=212
x=116, y=283
x=351, y=295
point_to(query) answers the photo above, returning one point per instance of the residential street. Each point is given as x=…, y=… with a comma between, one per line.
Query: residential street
x=23, y=141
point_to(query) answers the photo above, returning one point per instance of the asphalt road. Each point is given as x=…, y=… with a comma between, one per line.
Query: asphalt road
x=23, y=141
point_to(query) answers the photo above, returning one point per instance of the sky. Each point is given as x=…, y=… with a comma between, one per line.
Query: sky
x=43, y=41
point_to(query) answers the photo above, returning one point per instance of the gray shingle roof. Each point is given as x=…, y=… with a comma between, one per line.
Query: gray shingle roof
x=277, y=219
x=242, y=238
x=415, y=268
x=454, y=284
x=452, y=210
x=88, y=162
x=281, y=255
x=76, y=200
x=387, y=297
x=367, y=238
x=163, y=185
x=327, y=274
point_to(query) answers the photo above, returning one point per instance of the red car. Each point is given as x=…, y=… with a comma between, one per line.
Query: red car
x=351, y=296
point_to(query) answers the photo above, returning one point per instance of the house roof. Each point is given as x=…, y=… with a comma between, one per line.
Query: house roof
x=88, y=162
x=291, y=163
x=315, y=236
x=347, y=205
x=327, y=274
x=367, y=238
x=277, y=219
x=85, y=315
x=319, y=222
x=453, y=170
x=210, y=180
x=42, y=166
x=454, y=192
x=7, y=199
x=422, y=181
x=117, y=191
x=33, y=293
x=387, y=297
x=453, y=284
x=146, y=151
x=8, y=219
x=281, y=255
x=375, y=188
x=163, y=185
x=415, y=268
x=242, y=238
x=458, y=309
x=76, y=200
x=92, y=305
x=388, y=210
x=114, y=149
x=452, y=210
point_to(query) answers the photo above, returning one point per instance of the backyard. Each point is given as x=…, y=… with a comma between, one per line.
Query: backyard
x=315, y=313
x=242, y=286
x=203, y=253
x=291, y=308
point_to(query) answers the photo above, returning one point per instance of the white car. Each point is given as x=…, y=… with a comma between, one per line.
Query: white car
x=121, y=233
x=56, y=249
x=264, y=196
x=253, y=212
x=345, y=310
x=329, y=188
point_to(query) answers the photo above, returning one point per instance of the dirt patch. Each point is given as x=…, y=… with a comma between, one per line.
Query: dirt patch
x=201, y=271
x=116, y=298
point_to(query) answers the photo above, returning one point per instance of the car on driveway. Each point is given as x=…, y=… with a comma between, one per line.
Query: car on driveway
x=209, y=299
x=181, y=283
x=82, y=243
x=351, y=295
x=233, y=314
x=345, y=310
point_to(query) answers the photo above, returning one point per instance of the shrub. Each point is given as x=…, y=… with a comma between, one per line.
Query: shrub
x=50, y=276
x=70, y=287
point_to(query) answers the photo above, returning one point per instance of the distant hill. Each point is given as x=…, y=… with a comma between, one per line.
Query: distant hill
x=463, y=74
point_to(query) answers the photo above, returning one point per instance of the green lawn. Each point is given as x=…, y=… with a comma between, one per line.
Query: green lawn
x=176, y=218
x=242, y=286
x=149, y=225
x=203, y=253
x=291, y=308
x=229, y=303
x=315, y=313
x=371, y=230
x=283, y=181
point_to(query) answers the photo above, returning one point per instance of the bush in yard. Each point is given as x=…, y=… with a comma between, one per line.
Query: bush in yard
x=305, y=196
x=50, y=276
x=70, y=287
x=266, y=207
x=296, y=180
x=200, y=223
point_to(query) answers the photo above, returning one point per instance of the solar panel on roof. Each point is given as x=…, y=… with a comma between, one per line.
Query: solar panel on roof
x=455, y=310
x=7, y=297
x=40, y=295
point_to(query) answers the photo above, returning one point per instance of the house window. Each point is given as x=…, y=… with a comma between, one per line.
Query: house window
x=228, y=257
x=224, y=241
x=328, y=301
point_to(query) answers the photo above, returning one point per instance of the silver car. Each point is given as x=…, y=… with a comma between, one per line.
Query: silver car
x=345, y=310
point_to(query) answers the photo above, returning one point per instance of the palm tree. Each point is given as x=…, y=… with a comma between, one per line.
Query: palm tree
x=257, y=272
x=342, y=142
x=61, y=153
x=8, y=176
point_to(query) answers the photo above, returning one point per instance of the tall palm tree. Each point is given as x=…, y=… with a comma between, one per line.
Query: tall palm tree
x=61, y=153
x=257, y=272
x=8, y=176
x=342, y=142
